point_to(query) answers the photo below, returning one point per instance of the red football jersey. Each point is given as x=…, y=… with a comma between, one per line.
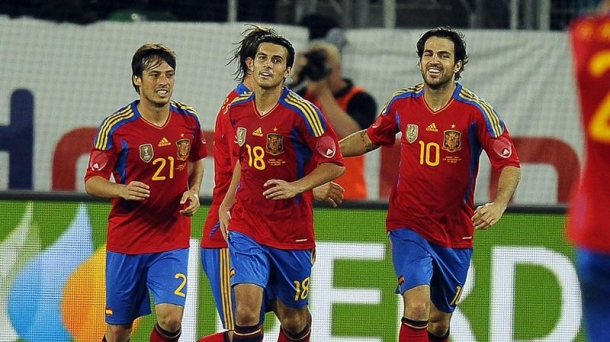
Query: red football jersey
x=439, y=161
x=588, y=217
x=130, y=148
x=223, y=170
x=286, y=143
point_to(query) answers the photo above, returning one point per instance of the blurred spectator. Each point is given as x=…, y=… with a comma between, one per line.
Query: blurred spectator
x=317, y=76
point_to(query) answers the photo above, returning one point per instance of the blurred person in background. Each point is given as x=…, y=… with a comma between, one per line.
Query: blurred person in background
x=154, y=150
x=588, y=226
x=318, y=77
x=431, y=218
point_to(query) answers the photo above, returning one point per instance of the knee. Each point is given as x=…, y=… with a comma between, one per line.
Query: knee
x=170, y=320
x=295, y=323
x=246, y=316
x=438, y=327
x=118, y=332
x=418, y=311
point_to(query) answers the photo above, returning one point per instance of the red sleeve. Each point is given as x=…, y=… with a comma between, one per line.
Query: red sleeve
x=101, y=163
x=500, y=150
x=383, y=130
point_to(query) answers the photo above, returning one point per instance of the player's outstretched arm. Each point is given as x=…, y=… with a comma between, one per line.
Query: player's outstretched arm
x=356, y=144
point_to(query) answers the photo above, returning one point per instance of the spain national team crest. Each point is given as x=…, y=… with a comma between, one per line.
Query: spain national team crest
x=275, y=144
x=184, y=148
x=146, y=152
x=452, y=142
x=412, y=133
x=240, y=135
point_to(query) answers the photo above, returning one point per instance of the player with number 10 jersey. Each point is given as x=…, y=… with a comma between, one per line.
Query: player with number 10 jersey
x=439, y=161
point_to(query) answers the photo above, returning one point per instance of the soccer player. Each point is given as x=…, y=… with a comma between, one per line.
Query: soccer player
x=285, y=149
x=214, y=249
x=154, y=150
x=431, y=217
x=587, y=224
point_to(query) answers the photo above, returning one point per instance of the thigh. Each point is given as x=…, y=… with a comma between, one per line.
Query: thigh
x=291, y=275
x=217, y=266
x=126, y=293
x=411, y=259
x=249, y=261
x=449, y=276
x=167, y=276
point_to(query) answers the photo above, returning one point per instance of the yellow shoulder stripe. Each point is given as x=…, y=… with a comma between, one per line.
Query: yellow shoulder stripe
x=490, y=114
x=309, y=111
x=108, y=125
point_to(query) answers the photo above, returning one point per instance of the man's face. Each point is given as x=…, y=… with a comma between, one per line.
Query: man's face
x=269, y=65
x=437, y=64
x=157, y=83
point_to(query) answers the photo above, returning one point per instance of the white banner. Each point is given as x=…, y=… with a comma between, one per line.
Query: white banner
x=61, y=80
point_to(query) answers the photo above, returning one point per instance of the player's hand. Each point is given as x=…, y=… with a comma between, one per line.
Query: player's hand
x=487, y=215
x=224, y=216
x=135, y=191
x=330, y=192
x=279, y=189
x=192, y=198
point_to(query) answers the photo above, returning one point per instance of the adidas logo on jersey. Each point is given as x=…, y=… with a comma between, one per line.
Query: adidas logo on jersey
x=432, y=128
x=164, y=142
x=258, y=132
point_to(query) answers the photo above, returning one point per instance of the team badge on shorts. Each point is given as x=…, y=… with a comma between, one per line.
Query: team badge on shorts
x=275, y=144
x=452, y=142
x=184, y=148
x=146, y=152
x=412, y=133
x=240, y=135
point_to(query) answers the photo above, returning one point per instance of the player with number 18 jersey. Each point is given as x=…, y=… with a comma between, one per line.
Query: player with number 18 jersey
x=286, y=143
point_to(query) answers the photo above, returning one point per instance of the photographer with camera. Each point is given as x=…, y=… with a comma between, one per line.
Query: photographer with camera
x=348, y=108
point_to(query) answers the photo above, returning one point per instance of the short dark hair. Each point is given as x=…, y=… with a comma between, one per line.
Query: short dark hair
x=150, y=55
x=247, y=47
x=279, y=40
x=455, y=36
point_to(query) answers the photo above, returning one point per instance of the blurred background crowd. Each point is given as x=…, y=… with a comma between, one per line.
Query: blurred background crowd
x=497, y=14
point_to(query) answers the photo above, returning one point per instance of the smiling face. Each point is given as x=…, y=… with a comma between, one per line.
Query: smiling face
x=269, y=67
x=437, y=63
x=156, y=84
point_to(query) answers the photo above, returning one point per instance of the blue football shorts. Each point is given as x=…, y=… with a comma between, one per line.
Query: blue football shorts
x=419, y=262
x=285, y=273
x=131, y=279
x=594, y=274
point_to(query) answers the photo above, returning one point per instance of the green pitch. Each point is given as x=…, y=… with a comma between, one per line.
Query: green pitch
x=522, y=285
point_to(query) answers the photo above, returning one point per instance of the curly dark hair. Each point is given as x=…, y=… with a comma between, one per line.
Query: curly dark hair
x=455, y=36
